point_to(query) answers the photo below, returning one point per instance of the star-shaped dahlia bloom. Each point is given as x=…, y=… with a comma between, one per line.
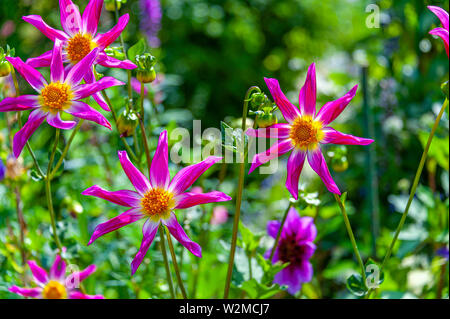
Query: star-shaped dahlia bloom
x=61, y=94
x=304, y=132
x=56, y=285
x=79, y=38
x=441, y=32
x=295, y=247
x=155, y=199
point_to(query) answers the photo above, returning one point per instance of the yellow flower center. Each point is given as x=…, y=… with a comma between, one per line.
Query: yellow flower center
x=306, y=133
x=56, y=96
x=54, y=290
x=79, y=46
x=157, y=203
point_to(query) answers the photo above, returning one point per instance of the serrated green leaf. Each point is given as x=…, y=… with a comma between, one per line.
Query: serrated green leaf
x=356, y=286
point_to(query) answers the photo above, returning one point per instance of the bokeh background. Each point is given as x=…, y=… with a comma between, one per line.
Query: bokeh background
x=209, y=53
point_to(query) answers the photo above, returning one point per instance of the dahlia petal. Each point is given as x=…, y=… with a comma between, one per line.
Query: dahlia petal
x=48, y=31
x=139, y=181
x=78, y=71
x=307, y=229
x=159, y=169
x=58, y=269
x=20, y=103
x=281, y=130
x=149, y=231
x=289, y=276
x=128, y=217
x=305, y=272
x=104, y=40
x=443, y=34
x=290, y=111
x=73, y=280
x=319, y=165
x=44, y=60
x=91, y=16
x=56, y=121
x=178, y=232
x=26, y=292
x=441, y=14
x=30, y=74
x=331, y=110
x=276, y=150
x=110, y=62
x=84, y=111
x=335, y=137
x=79, y=295
x=123, y=197
x=85, y=90
x=188, y=175
x=187, y=200
x=56, y=66
x=39, y=273
x=70, y=17
x=308, y=249
x=294, y=168
x=20, y=139
x=307, y=95
x=272, y=228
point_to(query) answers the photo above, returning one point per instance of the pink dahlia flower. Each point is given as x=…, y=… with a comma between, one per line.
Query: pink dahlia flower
x=304, y=132
x=441, y=32
x=155, y=199
x=295, y=247
x=61, y=94
x=56, y=285
x=79, y=38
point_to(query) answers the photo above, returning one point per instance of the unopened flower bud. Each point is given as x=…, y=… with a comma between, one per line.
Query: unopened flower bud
x=266, y=118
x=258, y=100
x=146, y=72
x=127, y=123
x=146, y=76
x=110, y=6
x=5, y=68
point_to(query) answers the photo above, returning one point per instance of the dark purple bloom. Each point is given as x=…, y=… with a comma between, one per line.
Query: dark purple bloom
x=2, y=170
x=443, y=252
x=151, y=20
x=296, y=247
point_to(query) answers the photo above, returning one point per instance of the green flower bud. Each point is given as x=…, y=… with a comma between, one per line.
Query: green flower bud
x=5, y=68
x=258, y=100
x=110, y=6
x=266, y=119
x=444, y=88
x=127, y=123
x=146, y=76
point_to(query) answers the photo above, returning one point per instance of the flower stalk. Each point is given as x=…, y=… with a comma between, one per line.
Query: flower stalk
x=175, y=264
x=277, y=239
x=162, y=246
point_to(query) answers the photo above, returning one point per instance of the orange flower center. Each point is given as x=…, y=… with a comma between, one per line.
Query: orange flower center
x=79, y=46
x=306, y=133
x=157, y=203
x=54, y=290
x=56, y=96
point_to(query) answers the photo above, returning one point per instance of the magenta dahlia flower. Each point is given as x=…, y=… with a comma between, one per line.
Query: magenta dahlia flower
x=154, y=200
x=441, y=32
x=295, y=247
x=56, y=285
x=79, y=38
x=62, y=94
x=304, y=132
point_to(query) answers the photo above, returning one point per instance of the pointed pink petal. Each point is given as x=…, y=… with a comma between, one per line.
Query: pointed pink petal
x=20, y=139
x=188, y=175
x=58, y=269
x=177, y=231
x=20, y=103
x=110, y=62
x=272, y=228
x=136, y=85
x=290, y=111
x=289, y=276
x=187, y=200
x=104, y=40
x=91, y=16
x=78, y=71
x=31, y=75
x=149, y=231
x=331, y=110
x=79, y=295
x=335, y=137
x=74, y=279
x=139, y=181
x=56, y=121
x=39, y=273
x=278, y=149
x=26, y=292
x=319, y=165
x=56, y=66
x=123, y=197
x=307, y=95
x=70, y=17
x=48, y=31
x=441, y=14
x=128, y=217
x=294, y=168
x=43, y=60
x=83, y=111
x=281, y=130
x=443, y=34
x=85, y=90
x=159, y=170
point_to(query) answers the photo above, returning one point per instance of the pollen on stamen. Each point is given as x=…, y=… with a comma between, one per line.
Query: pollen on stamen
x=56, y=96
x=78, y=47
x=157, y=203
x=306, y=133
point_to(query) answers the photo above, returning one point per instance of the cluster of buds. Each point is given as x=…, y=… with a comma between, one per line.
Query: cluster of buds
x=338, y=155
x=263, y=108
x=111, y=6
x=5, y=66
x=145, y=71
x=127, y=123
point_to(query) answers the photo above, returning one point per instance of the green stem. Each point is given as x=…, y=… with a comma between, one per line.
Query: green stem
x=352, y=237
x=162, y=246
x=140, y=115
x=175, y=264
x=238, y=198
x=277, y=239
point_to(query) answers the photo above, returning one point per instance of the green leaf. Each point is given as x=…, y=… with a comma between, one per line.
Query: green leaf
x=249, y=240
x=356, y=286
x=35, y=176
x=256, y=290
x=139, y=48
